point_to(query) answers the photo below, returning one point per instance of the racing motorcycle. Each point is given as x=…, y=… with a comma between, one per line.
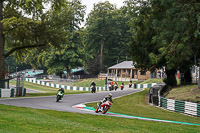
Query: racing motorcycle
x=116, y=87
x=93, y=89
x=59, y=96
x=103, y=107
x=122, y=87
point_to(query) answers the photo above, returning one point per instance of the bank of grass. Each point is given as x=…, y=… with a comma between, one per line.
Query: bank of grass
x=99, y=82
x=152, y=81
x=135, y=105
x=47, y=91
x=20, y=119
x=186, y=93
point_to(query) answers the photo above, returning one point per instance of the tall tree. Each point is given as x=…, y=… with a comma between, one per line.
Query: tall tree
x=165, y=33
x=71, y=52
x=98, y=27
x=108, y=36
x=25, y=25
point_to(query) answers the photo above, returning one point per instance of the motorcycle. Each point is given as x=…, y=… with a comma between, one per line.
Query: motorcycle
x=59, y=96
x=93, y=89
x=103, y=107
x=116, y=87
x=122, y=87
x=110, y=87
x=130, y=85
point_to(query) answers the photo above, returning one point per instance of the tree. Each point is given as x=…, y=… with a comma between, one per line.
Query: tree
x=165, y=33
x=71, y=52
x=108, y=36
x=98, y=27
x=25, y=25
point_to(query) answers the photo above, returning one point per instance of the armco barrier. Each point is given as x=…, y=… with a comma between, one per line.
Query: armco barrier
x=180, y=106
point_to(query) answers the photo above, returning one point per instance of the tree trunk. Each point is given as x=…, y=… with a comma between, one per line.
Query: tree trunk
x=101, y=54
x=68, y=72
x=187, y=78
x=171, y=77
x=2, y=44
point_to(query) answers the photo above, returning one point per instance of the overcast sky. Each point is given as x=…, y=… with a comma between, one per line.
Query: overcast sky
x=89, y=3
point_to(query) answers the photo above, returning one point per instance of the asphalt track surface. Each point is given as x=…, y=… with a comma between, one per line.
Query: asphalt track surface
x=68, y=101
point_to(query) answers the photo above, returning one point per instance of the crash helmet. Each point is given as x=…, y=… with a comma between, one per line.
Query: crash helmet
x=62, y=89
x=109, y=95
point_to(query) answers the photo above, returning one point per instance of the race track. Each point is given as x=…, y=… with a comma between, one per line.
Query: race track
x=73, y=103
x=67, y=102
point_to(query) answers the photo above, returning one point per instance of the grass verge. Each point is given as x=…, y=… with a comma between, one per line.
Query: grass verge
x=189, y=93
x=87, y=82
x=48, y=91
x=135, y=105
x=20, y=119
x=152, y=81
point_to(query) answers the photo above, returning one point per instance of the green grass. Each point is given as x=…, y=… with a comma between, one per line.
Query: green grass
x=185, y=93
x=48, y=91
x=135, y=105
x=152, y=81
x=101, y=83
x=20, y=119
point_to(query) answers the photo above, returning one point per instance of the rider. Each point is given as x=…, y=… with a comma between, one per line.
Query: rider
x=109, y=97
x=93, y=84
x=115, y=85
x=130, y=84
x=122, y=86
x=62, y=90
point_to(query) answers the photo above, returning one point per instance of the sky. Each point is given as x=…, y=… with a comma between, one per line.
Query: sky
x=89, y=4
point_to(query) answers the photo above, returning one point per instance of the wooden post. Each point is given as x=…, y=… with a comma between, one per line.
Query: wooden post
x=116, y=75
x=121, y=74
x=131, y=73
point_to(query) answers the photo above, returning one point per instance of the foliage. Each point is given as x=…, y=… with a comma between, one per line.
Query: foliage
x=165, y=33
x=71, y=52
x=25, y=25
x=11, y=64
x=108, y=36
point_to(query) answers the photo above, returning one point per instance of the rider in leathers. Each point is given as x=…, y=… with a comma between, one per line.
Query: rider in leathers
x=109, y=97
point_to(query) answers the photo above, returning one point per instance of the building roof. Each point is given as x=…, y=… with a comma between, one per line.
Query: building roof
x=123, y=65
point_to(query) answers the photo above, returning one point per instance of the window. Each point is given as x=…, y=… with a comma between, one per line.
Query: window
x=142, y=72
